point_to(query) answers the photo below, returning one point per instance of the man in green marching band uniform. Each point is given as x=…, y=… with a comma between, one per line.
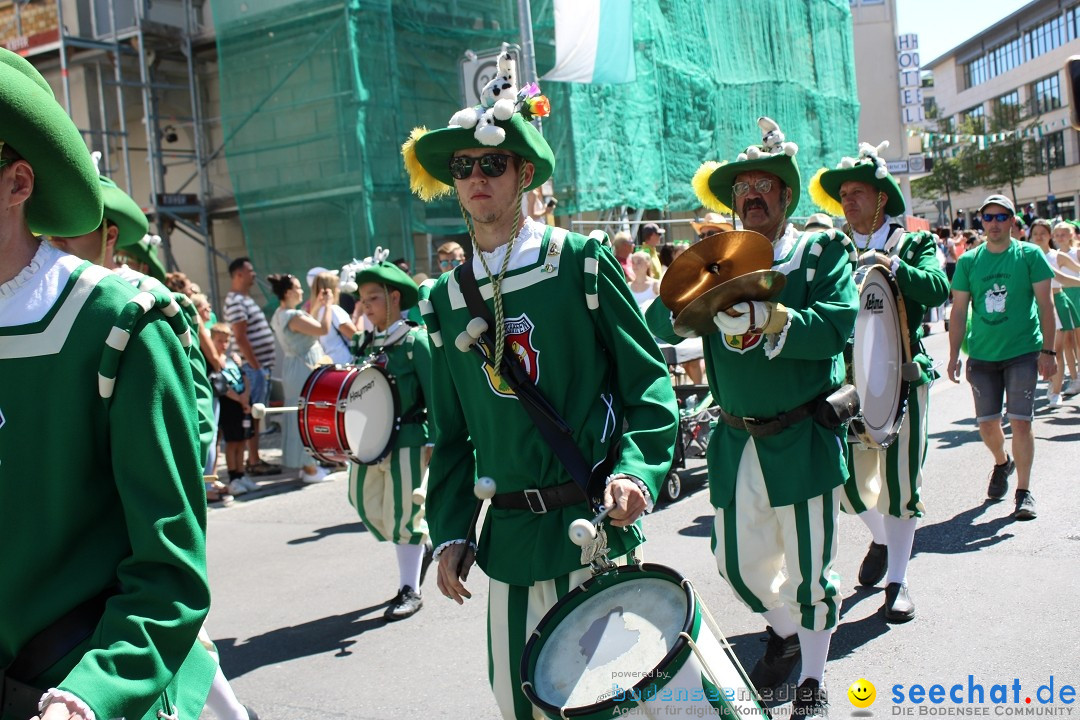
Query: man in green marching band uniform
x=775, y=470
x=884, y=485
x=389, y=496
x=103, y=542
x=564, y=311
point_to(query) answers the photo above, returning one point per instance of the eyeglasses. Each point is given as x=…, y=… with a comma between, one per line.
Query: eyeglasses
x=493, y=165
x=996, y=217
x=447, y=264
x=762, y=185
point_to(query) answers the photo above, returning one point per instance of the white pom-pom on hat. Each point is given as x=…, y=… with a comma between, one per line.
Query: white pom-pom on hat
x=466, y=118
x=503, y=109
x=742, y=157
x=790, y=149
x=881, y=173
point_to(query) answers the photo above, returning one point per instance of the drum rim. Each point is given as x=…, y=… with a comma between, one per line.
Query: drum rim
x=395, y=397
x=691, y=626
x=301, y=417
x=857, y=425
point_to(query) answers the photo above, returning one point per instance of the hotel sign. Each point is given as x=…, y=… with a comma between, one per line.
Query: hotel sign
x=907, y=61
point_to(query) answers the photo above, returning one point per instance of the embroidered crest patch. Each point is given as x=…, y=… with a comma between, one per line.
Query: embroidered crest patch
x=519, y=341
x=742, y=343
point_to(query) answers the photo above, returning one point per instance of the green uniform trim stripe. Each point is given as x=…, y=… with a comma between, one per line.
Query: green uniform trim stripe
x=131, y=313
x=730, y=571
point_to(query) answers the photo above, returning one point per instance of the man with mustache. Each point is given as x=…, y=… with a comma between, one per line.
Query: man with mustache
x=775, y=468
x=884, y=487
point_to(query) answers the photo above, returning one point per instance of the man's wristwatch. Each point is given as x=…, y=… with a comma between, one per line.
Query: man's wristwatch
x=1044, y=351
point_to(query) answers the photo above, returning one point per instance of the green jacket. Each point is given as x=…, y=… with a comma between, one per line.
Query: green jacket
x=409, y=361
x=576, y=328
x=96, y=493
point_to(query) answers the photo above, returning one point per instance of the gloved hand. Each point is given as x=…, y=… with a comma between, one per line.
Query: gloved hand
x=755, y=316
x=874, y=257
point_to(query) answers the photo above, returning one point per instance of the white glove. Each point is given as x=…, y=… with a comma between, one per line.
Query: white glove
x=755, y=316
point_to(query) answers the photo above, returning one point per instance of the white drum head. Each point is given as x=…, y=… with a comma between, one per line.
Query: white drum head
x=878, y=355
x=369, y=414
x=617, y=636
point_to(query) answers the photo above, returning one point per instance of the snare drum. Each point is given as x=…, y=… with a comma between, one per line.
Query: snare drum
x=635, y=635
x=882, y=350
x=349, y=412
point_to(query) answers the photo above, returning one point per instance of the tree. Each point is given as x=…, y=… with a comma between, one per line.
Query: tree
x=954, y=165
x=1009, y=160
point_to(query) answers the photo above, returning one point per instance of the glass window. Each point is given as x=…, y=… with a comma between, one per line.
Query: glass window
x=1045, y=37
x=1066, y=208
x=1050, y=149
x=996, y=61
x=975, y=118
x=1045, y=94
x=1008, y=107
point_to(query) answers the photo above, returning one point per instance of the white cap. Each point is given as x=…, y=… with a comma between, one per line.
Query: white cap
x=315, y=272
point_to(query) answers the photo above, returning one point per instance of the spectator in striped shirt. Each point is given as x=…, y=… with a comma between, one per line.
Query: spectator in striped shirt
x=253, y=339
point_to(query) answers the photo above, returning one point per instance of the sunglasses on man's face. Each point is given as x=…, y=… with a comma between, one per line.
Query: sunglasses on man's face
x=493, y=165
x=996, y=217
x=447, y=264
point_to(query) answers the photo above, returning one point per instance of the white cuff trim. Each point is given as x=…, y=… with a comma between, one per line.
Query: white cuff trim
x=438, y=551
x=54, y=695
x=649, y=502
x=895, y=263
x=774, y=342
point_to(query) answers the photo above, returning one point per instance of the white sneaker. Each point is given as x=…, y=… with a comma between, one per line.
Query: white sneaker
x=237, y=487
x=1053, y=400
x=318, y=476
x=1071, y=388
x=248, y=483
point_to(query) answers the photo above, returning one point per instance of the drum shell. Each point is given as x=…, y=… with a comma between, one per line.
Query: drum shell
x=679, y=680
x=322, y=427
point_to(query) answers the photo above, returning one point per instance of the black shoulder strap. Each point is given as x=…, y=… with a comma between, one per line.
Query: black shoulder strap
x=555, y=431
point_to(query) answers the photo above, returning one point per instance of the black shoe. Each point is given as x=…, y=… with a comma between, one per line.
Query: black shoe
x=811, y=701
x=406, y=604
x=252, y=715
x=773, y=669
x=426, y=562
x=1025, y=506
x=999, y=479
x=898, y=605
x=874, y=565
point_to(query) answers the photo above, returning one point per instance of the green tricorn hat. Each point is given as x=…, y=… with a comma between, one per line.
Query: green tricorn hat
x=66, y=201
x=868, y=168
x=713, y=181
x=377, y=270
x=123, y=212
x=146, y=251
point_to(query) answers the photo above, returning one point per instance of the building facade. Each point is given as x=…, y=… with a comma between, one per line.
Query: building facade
x=1014, y=68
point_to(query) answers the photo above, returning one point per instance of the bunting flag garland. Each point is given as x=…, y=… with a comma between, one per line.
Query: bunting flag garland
x=934, y=140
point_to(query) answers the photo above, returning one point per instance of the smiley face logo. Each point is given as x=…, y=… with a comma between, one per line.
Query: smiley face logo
x=862, y=693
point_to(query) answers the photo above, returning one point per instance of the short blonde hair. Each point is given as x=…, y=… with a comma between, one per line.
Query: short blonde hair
x=449, y=248
x=621, y=237
x=641, y=256
x=199, y=300
x=326, y=281
x=221, y=328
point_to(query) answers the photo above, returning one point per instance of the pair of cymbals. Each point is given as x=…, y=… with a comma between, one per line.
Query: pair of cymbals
x=714, y=274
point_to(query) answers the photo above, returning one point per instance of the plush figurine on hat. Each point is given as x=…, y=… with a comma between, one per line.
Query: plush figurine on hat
x=868, y=167
x=498, y=100
x=772, y=142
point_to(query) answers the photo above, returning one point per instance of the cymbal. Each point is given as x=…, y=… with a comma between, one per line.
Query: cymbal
x=712, y=262
x=696, y=319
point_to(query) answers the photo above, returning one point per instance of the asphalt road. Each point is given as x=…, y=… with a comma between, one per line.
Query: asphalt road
x=299, y=590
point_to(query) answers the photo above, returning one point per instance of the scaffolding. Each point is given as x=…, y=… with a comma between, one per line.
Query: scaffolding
x=142, y=54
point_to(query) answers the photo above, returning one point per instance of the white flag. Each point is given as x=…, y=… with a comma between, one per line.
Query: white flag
x=594, y=42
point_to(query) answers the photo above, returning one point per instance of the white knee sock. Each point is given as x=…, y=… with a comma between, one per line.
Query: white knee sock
x=781, y=621
x=901, y=534
x=222, y=700
x=409, y=558
x=873, y=519
x=815, y=651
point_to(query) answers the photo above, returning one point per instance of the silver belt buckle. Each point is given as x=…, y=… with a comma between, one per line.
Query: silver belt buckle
x=539, y=503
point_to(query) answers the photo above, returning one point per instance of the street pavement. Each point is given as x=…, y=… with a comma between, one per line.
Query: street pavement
x=299, y=588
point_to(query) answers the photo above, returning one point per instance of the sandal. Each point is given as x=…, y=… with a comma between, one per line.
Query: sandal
x=217, y=491
x=263, y=468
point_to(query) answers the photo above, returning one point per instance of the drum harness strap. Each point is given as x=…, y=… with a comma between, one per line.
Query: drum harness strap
x=417, y=412
x=555, y=431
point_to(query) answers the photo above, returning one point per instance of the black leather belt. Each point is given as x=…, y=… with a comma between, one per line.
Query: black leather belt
x=540, y=500
x=17, y=699
x=764, y=427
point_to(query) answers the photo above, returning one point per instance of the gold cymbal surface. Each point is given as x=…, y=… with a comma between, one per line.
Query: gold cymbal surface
x=712, y=262
x=696, y=318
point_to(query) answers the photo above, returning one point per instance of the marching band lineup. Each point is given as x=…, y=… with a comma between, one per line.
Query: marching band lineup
x=524, y=386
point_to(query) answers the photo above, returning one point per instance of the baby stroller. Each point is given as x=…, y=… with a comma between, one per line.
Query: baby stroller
x=698, y=413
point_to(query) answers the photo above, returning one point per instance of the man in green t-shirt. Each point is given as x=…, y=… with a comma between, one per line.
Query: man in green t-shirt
x=1010, y=343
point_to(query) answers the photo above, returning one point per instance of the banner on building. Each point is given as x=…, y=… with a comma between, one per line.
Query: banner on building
x=594, y=42
x=907, y=61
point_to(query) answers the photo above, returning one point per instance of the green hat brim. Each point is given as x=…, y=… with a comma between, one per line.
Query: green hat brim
x=140, y=252
x=66, y=201
x=831, y=180
x=121, y=210
x=782, y=166
x=386, y=273
x=434, y=149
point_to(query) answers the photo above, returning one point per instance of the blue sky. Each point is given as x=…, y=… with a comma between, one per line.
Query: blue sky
x=943, y=24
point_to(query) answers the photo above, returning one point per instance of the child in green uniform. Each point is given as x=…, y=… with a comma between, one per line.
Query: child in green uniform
x=884, y=486
x=108, y=542
x=562, y=310
x=389, y=495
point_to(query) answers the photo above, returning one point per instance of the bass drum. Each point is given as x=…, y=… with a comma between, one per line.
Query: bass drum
x=881, y=357
x=349, y=412
x=635, y=635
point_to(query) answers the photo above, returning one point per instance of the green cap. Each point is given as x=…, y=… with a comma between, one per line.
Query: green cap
x=146, y=251
x=868, y=168
x=389, y=274
x=121, y=210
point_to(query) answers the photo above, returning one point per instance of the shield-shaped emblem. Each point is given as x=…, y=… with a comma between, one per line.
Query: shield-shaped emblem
x=742, y=343
x=520, y=342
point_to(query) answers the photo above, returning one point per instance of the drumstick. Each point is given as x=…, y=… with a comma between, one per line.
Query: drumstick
x=258, y=410
x=484, y=489
x=583, y=531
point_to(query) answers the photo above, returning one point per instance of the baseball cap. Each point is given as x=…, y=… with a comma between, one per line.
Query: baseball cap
x=998, y=200
x=650, y=228
x=819, y=220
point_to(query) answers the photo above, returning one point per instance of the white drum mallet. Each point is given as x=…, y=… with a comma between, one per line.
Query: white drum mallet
x=583, y=531
x=259, y=411
x=468, y=337
x=483, y=489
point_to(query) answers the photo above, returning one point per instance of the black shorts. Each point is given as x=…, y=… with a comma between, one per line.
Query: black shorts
x=235, y=423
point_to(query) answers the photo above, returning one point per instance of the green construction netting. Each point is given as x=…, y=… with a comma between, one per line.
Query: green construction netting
x=317, y=97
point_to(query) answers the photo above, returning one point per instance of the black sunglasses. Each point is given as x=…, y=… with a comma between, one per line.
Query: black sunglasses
x=1000, y=217
x=493, y=165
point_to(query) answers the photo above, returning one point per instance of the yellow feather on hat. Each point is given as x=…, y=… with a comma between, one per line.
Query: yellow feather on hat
x=701, y=187
x=421, y=182
x=822, y=199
